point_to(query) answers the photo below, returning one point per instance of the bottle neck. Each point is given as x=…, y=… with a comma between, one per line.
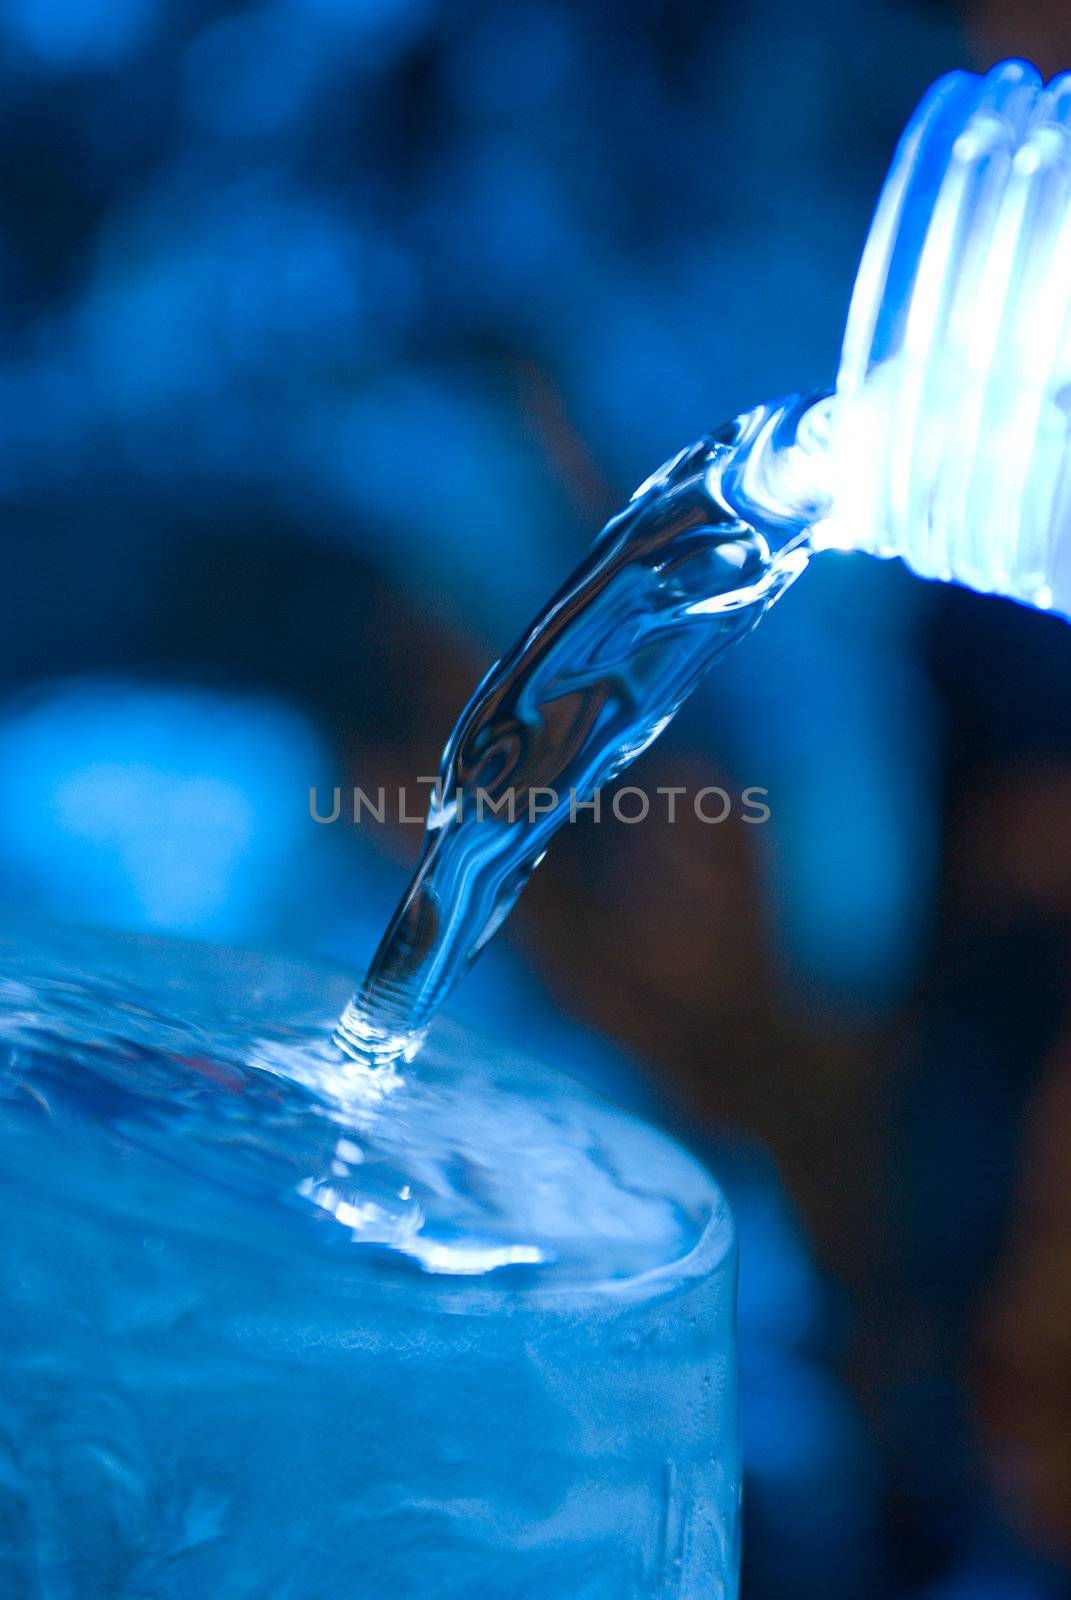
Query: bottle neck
x=812, y=472
x=952, y=437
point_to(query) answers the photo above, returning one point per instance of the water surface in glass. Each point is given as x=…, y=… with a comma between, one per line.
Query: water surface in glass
x=274, y=1324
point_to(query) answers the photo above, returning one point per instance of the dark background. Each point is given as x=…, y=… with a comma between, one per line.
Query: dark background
x=332, y=330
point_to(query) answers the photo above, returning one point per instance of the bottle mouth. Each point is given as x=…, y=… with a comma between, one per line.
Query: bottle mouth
x=950, y=440
x=778, y=475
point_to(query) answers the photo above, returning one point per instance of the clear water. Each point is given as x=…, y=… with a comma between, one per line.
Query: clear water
x=670, y=584
x=274, y=1324
x=279, y=1320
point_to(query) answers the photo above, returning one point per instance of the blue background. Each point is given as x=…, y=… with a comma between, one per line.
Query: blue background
x=331, y=332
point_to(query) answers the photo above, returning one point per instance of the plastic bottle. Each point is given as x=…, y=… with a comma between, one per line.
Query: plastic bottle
x=949, y=436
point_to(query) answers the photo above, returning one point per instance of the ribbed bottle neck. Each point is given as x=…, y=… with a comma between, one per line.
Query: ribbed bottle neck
x=950, y=437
